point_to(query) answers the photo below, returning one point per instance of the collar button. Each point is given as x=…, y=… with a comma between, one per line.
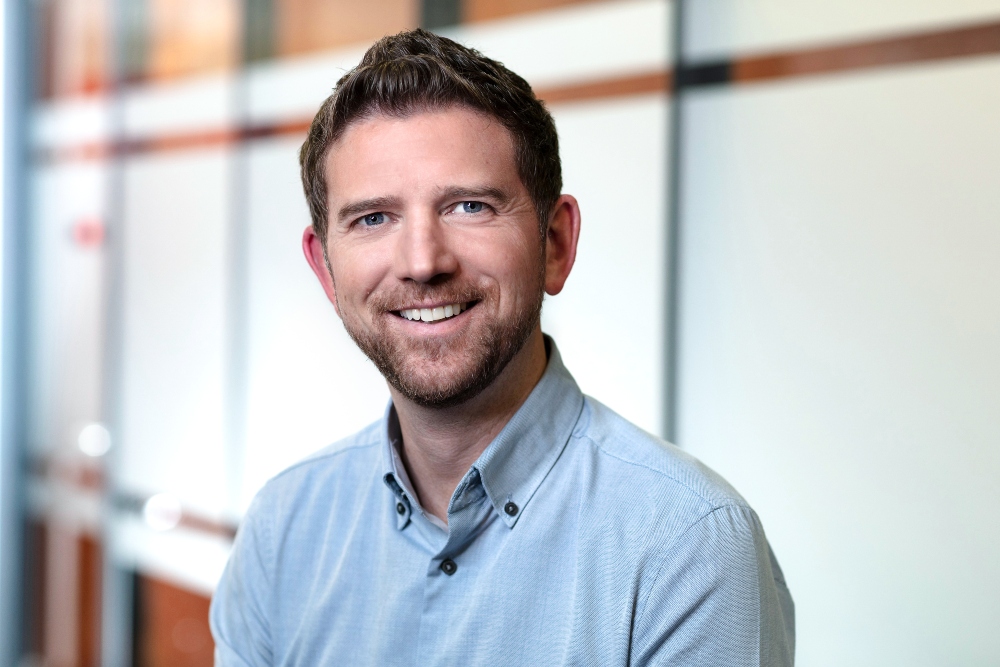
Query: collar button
x=401, y=508
x=510, y=508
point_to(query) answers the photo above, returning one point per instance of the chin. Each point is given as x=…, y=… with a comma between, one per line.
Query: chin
x=437, y=385
x=453, y=369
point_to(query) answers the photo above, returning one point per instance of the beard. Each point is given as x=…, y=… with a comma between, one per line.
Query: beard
x=424, y=370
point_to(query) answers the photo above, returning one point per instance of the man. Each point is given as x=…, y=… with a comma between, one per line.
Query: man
x=495, y=516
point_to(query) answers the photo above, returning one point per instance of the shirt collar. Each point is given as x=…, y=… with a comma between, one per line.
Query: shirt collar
x=393, y=471
x=513, y=466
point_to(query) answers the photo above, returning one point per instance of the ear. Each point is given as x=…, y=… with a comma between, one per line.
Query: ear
x=312, y=246
x=560, y=243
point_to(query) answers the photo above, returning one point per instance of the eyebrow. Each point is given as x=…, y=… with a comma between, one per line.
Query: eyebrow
x=485, y=192
x=355, y=209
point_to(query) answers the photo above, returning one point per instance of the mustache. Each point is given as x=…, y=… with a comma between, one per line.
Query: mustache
x=413, y=295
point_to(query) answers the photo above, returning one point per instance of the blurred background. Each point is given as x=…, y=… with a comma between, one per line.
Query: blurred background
x=789, y=266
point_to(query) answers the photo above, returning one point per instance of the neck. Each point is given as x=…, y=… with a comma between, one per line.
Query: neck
x=440, y=445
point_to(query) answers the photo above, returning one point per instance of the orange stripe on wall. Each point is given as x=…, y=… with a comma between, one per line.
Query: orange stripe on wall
x=488, y=10
x=634, y=84
x=620, y=86
x=938, y=45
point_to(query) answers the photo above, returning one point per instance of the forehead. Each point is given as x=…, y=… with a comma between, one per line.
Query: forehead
x=449, y=144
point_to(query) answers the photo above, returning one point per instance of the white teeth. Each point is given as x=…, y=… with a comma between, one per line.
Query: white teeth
x=433, y=314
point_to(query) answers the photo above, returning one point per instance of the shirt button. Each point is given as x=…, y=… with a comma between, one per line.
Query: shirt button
x=448, y=566
x=401, y=508
x=510, y=508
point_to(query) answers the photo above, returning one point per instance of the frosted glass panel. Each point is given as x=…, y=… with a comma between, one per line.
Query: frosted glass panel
x=68, y=303
x=839, y=356
x=608, y=321
x=174, y=310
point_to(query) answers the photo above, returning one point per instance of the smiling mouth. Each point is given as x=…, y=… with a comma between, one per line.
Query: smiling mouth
x=434, y=314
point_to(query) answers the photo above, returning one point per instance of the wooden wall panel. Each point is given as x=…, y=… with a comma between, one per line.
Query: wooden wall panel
x=89, y=601
x=62, y=606
x=190, y=36
x=173, y=626
x=303, y=26
x=71, y=38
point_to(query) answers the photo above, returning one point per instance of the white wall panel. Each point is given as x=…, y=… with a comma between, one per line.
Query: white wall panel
x=174, y=310
x=293, y=88
x=196, y=104
x=308, y=384
x=719, y=28
x=582, y=42
x=608, y=321
x=67, y=312
x=840, y=347
x=71, y=121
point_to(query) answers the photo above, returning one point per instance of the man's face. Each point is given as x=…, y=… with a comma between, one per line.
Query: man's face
x=438, y=264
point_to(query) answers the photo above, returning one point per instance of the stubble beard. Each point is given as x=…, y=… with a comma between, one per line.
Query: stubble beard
x=417, y=369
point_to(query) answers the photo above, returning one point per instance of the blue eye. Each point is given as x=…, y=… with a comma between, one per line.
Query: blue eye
x=472, y=206
x=373, y=219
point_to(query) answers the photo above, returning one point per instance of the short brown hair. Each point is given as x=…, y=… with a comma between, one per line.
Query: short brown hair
x=418, y=70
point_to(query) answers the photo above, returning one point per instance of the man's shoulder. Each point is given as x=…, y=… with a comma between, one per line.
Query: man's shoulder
x=652, y=465
x=334, y=469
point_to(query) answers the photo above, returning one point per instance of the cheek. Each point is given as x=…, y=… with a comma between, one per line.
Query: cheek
x=515, y=266
x=357, y=272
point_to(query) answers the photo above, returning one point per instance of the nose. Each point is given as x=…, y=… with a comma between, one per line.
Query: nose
x=422, y=252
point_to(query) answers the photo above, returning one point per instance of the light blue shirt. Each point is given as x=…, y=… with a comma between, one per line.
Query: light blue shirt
x=575, y=539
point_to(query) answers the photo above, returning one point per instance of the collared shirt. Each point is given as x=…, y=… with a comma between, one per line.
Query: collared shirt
x=576, y=538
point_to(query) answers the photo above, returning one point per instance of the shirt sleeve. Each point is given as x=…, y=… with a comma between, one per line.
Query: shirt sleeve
x=719, y=599
x=238, y=614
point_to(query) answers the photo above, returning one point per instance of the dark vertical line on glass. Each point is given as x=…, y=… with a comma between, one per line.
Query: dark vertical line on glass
x=672, y=277
x=126, y=48
x=138, y=627
x=714, y=73
x=130, y=29
x=16, y=87
x=436, y=14
x=258, y=30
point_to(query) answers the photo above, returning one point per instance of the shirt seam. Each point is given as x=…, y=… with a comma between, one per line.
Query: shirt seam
x=266, y=564
x=731, y=502
x=666, y=560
